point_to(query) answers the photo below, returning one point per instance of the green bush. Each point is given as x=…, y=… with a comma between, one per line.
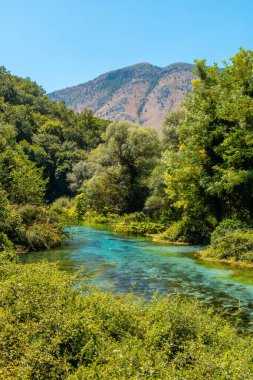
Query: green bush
x=225, y=227
x=66, y=211
x=61, y=203
x=94, y=217
x=189, y=230
x=51, y=330
x=138, y=224
x=7, y=252
x=32, y=227
x=42, y=236
x=235, y=244
x=231, y=240
x=81, y=205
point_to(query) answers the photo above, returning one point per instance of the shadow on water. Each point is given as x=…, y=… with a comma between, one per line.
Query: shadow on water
x=123, y=264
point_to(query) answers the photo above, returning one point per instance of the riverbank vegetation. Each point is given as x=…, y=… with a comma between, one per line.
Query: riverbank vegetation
x=40, y=141
x=58, y=167
x=55, y=327
x=193, y=183
x=194, y=177
x=231, y=241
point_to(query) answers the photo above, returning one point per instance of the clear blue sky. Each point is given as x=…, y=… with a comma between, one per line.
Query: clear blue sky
x=61, y=43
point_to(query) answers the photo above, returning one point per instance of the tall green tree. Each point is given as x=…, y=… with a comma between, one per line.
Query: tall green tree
x=211, y=173
x=124, y=161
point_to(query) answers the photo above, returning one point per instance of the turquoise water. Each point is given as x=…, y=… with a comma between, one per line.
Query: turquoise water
x=124, y=264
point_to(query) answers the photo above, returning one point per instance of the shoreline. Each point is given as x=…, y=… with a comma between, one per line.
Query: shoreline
x=243, y=264
x=155, y=238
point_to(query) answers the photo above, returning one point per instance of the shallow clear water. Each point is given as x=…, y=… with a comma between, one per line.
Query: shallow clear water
x=124, y=263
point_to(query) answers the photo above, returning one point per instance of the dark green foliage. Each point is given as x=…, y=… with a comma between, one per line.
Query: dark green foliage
x=50, y=330
x=170, y=135
x=3, y=207
x=189, y=229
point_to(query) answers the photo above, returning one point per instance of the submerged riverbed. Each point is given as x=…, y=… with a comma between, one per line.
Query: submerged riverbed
x=124, y=264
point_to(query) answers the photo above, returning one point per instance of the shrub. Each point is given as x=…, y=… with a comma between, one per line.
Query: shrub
x=94, y=217
x=42, y=236
x=51, y=330
x=225, y=227
x=7, y=252
x=137, y=223
x=235, y=244
x=61, y=203
x=66, y=211
x=81, y=205
x=189, y=230
x=32, y=227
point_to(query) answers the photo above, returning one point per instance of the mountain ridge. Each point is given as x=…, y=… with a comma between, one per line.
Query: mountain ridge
x=141, y=93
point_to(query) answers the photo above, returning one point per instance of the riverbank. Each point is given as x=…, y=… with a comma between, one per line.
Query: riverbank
x=122, y=264
x=51, y=330
x=157, y=238
x=202, y=256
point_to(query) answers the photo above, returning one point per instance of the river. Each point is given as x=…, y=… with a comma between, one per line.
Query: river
x=124, y=264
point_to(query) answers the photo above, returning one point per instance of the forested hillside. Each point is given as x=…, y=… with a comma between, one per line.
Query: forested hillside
x=40, y=141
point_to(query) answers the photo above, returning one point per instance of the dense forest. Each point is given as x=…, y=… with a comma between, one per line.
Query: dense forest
x=192, y=183
x=40, y=141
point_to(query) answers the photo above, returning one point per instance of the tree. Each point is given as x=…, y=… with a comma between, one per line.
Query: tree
x=170, y=135
x=19, y=177
x=130, y=152
x=210, y=176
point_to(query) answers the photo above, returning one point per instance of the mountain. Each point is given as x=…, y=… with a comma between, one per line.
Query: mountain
x=142, y=93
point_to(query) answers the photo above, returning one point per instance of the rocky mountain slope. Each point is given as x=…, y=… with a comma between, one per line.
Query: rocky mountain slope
x=141, y=93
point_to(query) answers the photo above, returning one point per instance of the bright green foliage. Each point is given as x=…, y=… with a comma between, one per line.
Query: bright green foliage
x=170, y=137
x=50, y=330
x=231, y=240
x=52, y=136
x=119, y=169
x=20, y=177
x=188, y=229
x=7, y=252
x=66, y=212
x=40, y=142
x=235, y=245
x=31, y=227
x=6, y=247
x=138, y=224
x=210, y=176
x=3, y=207
x=81, y=205
x=27, y=185
x=224, y=227
x=107, y=191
